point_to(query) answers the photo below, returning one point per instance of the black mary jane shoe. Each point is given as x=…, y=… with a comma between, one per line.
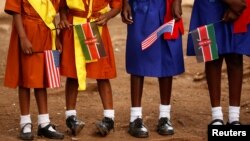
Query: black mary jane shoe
x=165, y=127
x=217, y=120
x=74, y=125
x=138, y=129
x=234, y=123
x=28, y=135
x=105, y=126
x=45, y=132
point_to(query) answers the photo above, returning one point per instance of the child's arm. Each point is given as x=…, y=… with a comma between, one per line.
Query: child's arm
x=26, y=45
x=126, y=13
x=64, y=23
x=104, y=18
x=176, y=9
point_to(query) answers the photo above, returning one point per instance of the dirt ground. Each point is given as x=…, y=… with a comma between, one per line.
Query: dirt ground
x=190, y=102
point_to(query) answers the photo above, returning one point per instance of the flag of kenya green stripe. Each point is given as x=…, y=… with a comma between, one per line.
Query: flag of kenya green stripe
x=205, y=43
x=90, y=41
x=208, y=42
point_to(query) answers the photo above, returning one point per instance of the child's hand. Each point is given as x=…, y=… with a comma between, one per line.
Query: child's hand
x=58, y=44
x=26, y=45
x=126, y=13
x=230, y=16
x=104, y=18
x=176, y=9
x=237, y=6
x=64, y=24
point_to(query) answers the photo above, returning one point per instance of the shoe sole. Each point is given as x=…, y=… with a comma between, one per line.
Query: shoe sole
x=77, y=130
x=104, y=132
x=138, y=136
x=166, y=133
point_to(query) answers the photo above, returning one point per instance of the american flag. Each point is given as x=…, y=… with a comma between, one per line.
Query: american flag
x=52, y=62
x=167, y=27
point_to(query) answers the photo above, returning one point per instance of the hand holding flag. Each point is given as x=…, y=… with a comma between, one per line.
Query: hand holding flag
x=167, y=27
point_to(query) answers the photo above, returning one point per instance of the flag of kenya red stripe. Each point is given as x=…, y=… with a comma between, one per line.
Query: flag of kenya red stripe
x=206, y=48
x=90, y=41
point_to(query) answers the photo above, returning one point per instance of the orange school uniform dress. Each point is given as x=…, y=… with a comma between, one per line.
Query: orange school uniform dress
x=27, y=70
x=104, y=68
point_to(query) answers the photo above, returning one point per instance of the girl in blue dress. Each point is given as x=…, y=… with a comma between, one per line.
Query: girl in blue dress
x=231, y=47
x=163, y=59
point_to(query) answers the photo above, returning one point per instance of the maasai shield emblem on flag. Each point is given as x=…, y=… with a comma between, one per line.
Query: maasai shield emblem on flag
x=52, y=63
x=90, y=40
x=205, y=44
x=167, y=27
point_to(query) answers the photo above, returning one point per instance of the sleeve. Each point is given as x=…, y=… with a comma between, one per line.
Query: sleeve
x=115, y=4
x=12, y=6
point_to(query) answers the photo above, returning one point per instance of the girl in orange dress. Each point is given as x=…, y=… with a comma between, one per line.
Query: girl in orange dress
x=79, y=12
x=26, y=69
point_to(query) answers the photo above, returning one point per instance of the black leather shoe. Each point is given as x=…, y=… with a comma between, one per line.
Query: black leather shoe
x=164, y=127
x=105, y=126
x=138, y=129
x=45, y=132
x=234, y=123
x=218, y=121
x=28, y=135
x=74, y=125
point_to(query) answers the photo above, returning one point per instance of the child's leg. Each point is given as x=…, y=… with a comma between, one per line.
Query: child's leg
x=25, y=120
x=164, y=126
x=136, y=126
x=45, y=128
x=71, y=92
x=105, y=92
x=235, y=76
x=213, y=76
x=24, y=100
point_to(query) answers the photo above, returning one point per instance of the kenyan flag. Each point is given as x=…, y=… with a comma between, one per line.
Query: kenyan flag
x=90, y=40
x=205, y=43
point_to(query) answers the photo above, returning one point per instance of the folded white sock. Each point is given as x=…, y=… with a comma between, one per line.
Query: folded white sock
x=217, y=114
x=135, y=112
x=164, y=111
x=24, y=119
x=234, y=113
x=109, y=113
x=69, y=113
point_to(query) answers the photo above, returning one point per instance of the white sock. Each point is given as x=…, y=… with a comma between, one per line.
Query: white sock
x=217, y=114
x=24, y=119
x=69, y=113
x=234, y=113
x=135, y=112
x=164, y=111
x=43, y=120
x=109, y=113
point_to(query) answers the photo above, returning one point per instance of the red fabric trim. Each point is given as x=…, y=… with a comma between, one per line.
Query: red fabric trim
x=240, y=25
x=178, y=27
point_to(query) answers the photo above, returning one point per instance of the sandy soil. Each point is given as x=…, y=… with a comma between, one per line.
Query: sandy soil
x=190, y=101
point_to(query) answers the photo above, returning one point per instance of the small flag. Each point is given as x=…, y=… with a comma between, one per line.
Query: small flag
x=167, y=27
x=205, y=45
x=91, y=41
x=52, y=63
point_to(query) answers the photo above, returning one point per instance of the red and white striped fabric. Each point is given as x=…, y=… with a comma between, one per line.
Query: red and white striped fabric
x=52, y=60
x=167, y=27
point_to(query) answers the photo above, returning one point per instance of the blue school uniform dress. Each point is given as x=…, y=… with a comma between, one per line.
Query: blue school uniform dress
x=164, y=57
x=211, y=11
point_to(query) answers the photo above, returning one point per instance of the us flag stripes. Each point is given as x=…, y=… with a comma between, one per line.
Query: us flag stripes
x=52, y=63
x=167, y=27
